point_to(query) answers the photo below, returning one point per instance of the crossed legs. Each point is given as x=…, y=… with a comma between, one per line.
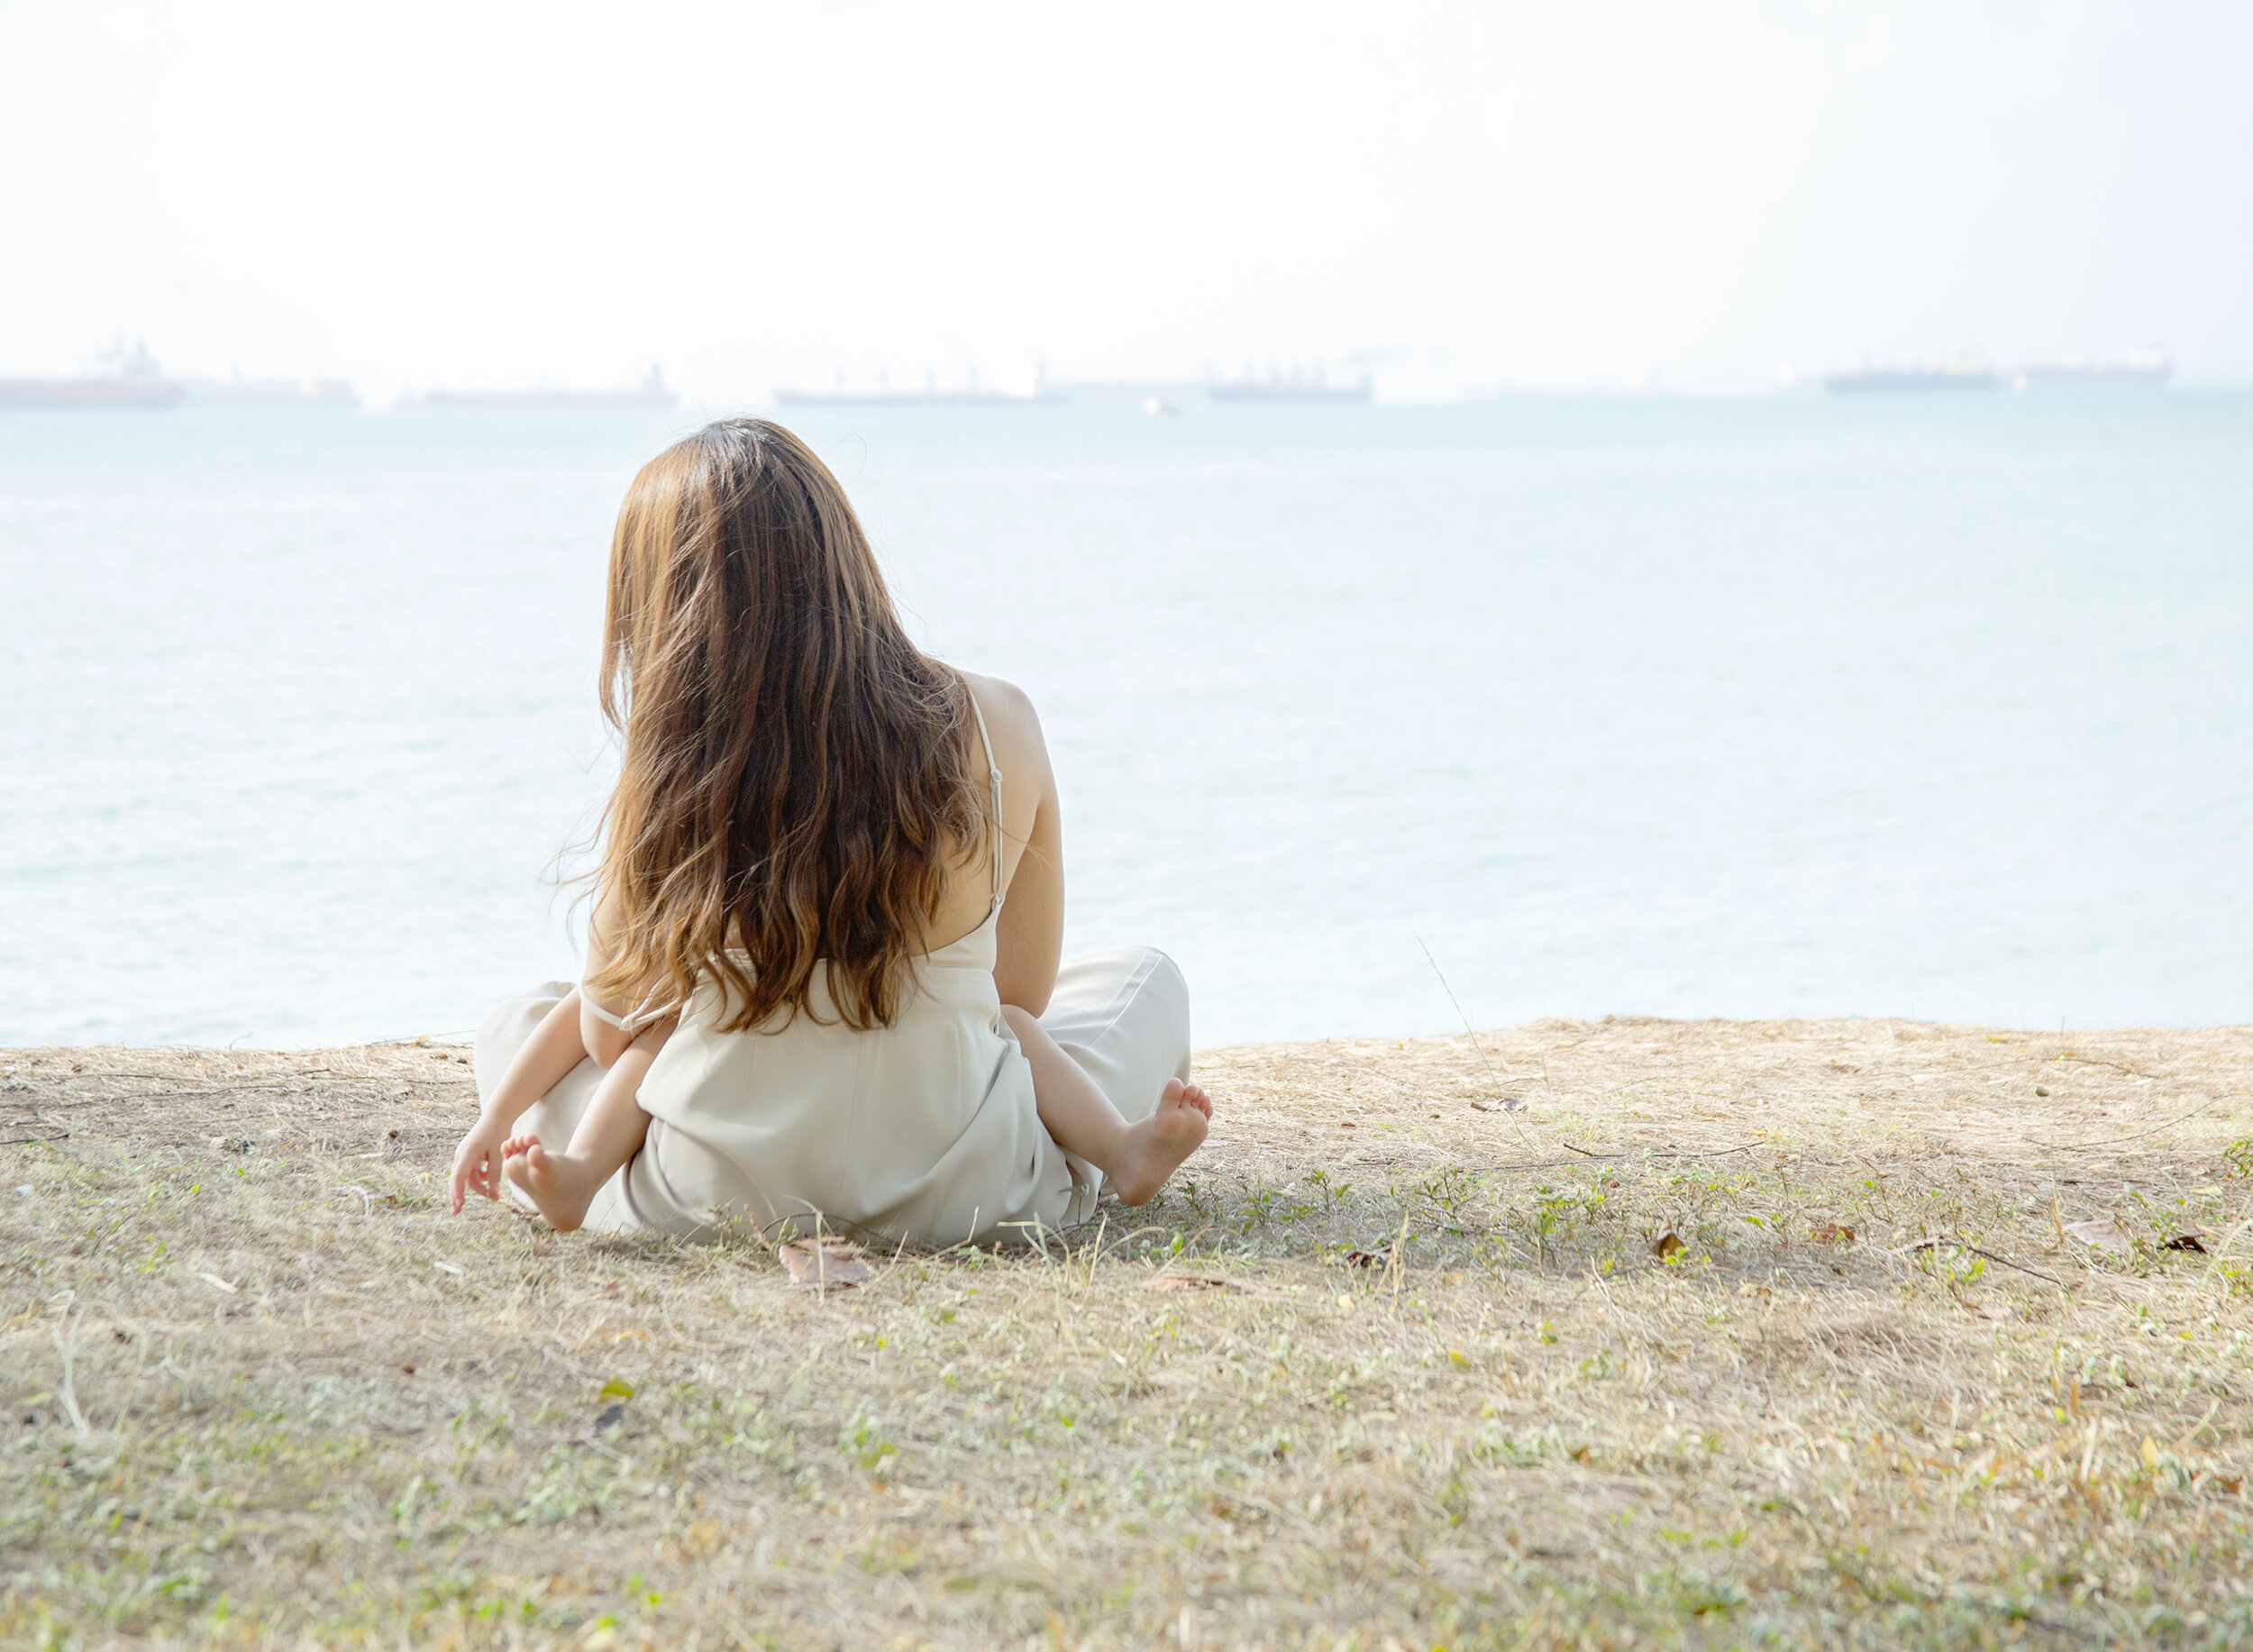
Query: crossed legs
x=1137, y=1157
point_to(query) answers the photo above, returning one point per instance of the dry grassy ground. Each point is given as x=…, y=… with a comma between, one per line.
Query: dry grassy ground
x=1596, y=1365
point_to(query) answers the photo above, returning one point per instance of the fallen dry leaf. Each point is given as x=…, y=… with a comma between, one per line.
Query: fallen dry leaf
x=1664, y=1246
x=1192, y=1281
x=2184, y=1241
x=2101, y=1233
x=829, y=1261
x=1831, y=1233
x=1366, y=1258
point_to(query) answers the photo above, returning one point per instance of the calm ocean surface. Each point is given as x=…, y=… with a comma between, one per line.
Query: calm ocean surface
x=1935, y=707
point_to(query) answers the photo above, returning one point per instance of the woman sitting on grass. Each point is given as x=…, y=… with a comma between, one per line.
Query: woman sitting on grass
x=811, y=998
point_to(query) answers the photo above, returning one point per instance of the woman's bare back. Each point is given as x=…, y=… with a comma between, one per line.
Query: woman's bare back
x=1029, y=941
x=1032, y=926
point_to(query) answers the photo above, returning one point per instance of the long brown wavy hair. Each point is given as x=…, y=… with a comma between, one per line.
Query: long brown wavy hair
x=796, y=782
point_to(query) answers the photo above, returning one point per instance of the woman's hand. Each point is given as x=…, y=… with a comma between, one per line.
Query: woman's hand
x=477, y=1162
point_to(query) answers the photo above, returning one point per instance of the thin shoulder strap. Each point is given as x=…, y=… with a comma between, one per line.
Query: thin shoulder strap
x=993, y=785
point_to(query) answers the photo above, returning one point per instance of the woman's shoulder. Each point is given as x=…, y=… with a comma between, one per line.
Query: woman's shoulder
x=998, y=697
x=1007, y=708
x=1019, y=750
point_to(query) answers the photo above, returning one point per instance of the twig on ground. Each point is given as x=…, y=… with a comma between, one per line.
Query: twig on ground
x=1096, y=1255
x=1990, y=1256
x=2097, y=1061
x=2113, y=1141
x=67, y=1340
x=2195, y=1429
x=2230, y=1238
x=1477, y=1048
x=1586, y=1154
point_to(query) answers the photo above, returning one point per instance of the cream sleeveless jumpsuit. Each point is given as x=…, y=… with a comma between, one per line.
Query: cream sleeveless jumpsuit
x=923, y=1131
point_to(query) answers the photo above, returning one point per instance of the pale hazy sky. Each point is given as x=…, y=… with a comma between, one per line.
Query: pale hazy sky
x=412, y=193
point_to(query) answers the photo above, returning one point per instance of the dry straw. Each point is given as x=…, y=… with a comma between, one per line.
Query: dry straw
x=1800, y=1348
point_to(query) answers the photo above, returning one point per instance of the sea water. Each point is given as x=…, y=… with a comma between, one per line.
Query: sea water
x=1925, y=706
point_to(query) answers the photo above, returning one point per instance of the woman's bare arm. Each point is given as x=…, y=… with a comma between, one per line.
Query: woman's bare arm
x=553, y=1049
x=605, y=1042
x=1030, y=938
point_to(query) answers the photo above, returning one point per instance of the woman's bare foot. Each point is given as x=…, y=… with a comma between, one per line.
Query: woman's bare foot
x=1154, y=1148
x=559, y=1185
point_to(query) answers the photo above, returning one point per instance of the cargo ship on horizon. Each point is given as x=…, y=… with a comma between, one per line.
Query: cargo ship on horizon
x=916, y=398
x=1291, y=388
x=2149, y=371
x=653, y=393
x=124, y=378
x=1027, y=391
x=1913, y=380
x=127, y=376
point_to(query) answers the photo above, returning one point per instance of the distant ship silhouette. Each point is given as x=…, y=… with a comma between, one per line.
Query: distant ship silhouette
x=133, y=381
x=2141, y=373
x=1275, y=387
x=2150, y=371
x=1954, y=376
x=653, y=393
